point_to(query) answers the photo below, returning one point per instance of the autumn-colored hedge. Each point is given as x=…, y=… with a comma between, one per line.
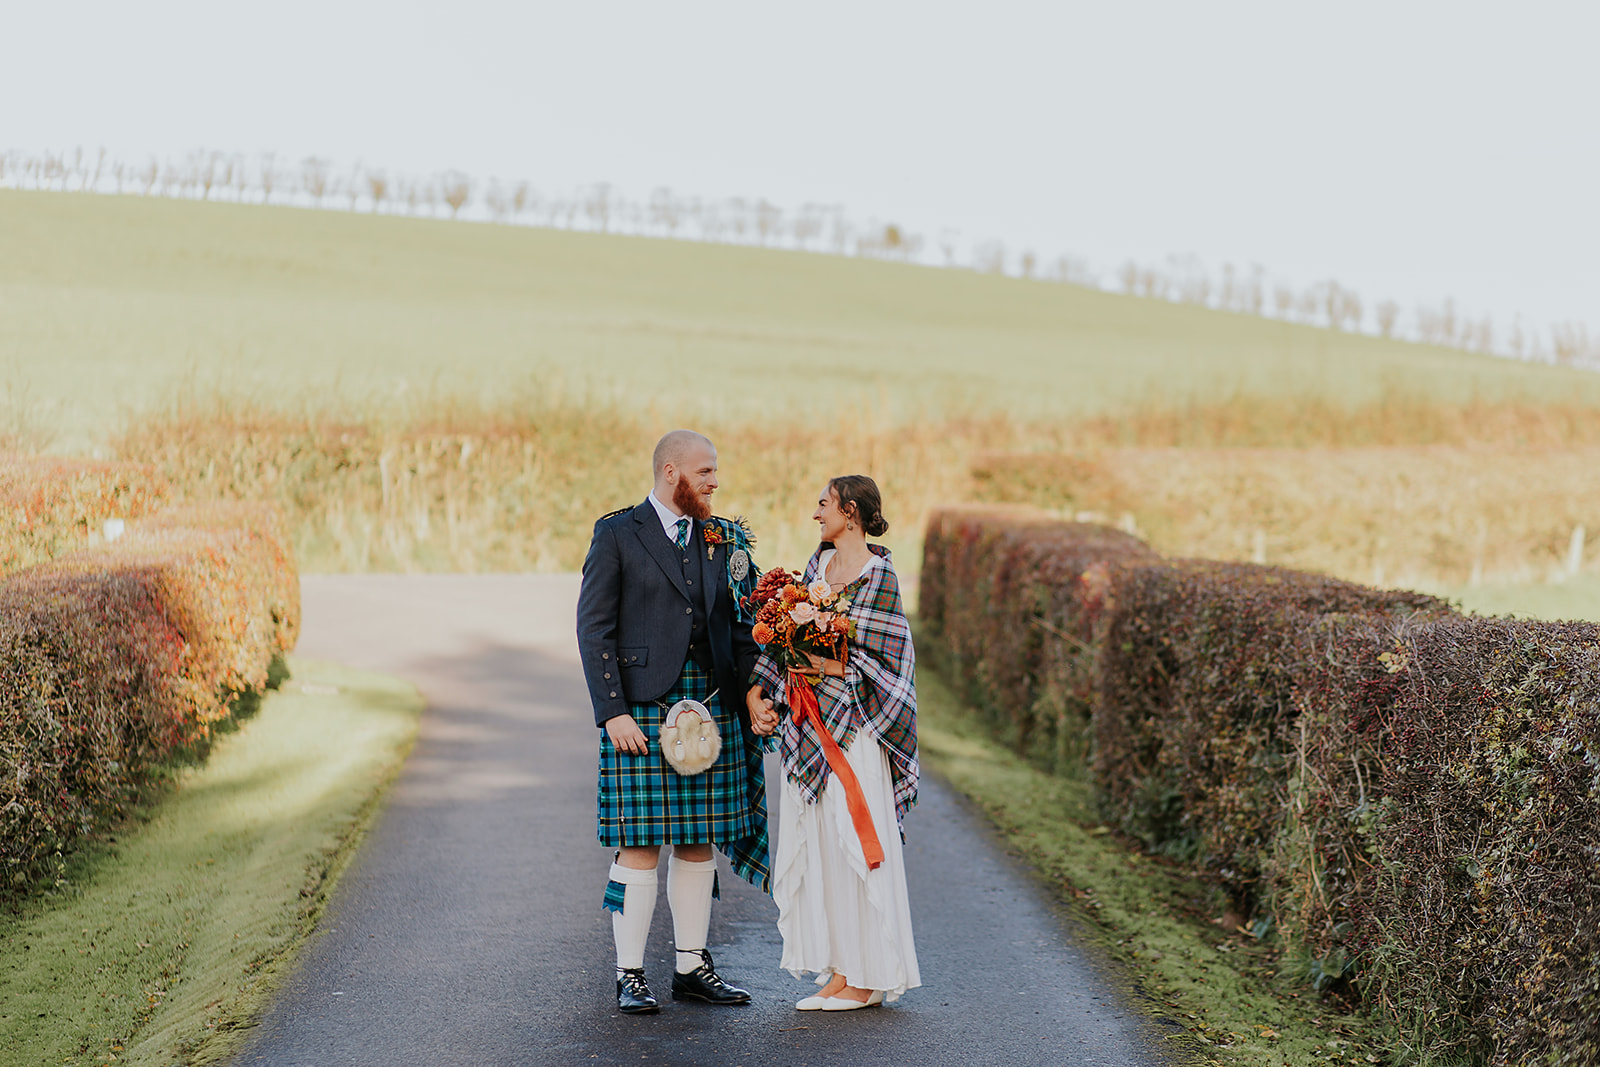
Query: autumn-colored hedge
x=115, y=658
x=1441, y=845
x=1198, y=672
x=1410, y=795
x=1003, y=590
x=52, y=505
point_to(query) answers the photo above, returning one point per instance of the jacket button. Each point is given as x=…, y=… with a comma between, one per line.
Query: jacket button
x=608, y=674
x=613, y=692
x=688, y=611
x=690, y=581
x=605, y=655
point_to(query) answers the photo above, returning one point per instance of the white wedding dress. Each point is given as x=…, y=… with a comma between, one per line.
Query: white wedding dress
x=834, y=914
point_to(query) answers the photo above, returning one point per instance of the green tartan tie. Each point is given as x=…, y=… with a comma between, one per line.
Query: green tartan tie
x=682, y=536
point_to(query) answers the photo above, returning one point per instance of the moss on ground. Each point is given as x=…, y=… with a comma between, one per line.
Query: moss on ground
x=174, y=929
x=1237, y=1003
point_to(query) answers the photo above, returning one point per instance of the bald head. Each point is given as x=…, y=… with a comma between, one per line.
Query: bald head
x=686, y=473
x=679, y=448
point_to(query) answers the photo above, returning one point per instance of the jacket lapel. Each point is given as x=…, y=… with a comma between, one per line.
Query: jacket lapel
x=654, y=539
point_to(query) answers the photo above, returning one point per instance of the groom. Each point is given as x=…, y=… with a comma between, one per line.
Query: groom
x=658, y=622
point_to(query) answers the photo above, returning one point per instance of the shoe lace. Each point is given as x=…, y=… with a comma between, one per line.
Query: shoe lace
x=707, y=970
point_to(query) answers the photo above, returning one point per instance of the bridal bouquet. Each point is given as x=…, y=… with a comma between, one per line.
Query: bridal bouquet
x=794, y=620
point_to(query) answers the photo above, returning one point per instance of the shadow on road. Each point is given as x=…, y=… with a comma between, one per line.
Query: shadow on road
x=469, y=930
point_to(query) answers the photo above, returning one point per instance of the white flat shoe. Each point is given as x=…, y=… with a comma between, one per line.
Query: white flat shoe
x=846, y=1004
x=810, y=1004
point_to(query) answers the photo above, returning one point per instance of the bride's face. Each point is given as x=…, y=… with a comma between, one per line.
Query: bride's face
x=829, y=515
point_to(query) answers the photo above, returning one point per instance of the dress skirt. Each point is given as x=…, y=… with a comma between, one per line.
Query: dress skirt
x=835, y=914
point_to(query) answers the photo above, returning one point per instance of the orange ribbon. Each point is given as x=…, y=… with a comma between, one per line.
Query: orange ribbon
x=803, y=699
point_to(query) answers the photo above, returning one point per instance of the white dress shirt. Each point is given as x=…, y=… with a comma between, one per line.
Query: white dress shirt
x=669, y=521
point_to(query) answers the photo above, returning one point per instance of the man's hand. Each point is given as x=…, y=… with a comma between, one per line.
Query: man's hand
x=626, y=735
x=763, y=719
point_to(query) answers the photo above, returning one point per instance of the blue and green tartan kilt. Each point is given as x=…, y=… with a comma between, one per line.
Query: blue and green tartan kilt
x=643, y=801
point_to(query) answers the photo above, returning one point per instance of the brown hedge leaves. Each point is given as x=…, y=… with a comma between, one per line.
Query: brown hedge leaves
x=1412, y=795
x=115, y=658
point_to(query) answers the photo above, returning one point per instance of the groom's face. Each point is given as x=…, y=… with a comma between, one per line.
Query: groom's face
x=696, y=481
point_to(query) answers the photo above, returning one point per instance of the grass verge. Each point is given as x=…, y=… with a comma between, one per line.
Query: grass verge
x=1229, y=990
x=1574, y=599
x=177, y=926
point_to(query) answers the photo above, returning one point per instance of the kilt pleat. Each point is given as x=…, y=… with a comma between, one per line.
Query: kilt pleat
x=643, y=801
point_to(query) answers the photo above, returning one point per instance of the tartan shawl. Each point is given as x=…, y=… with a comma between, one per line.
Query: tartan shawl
x=878, y=691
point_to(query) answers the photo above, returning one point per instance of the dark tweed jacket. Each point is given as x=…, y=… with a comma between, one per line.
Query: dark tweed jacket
x=634, y=615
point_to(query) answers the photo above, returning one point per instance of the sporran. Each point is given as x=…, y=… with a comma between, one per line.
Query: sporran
x=690, y=740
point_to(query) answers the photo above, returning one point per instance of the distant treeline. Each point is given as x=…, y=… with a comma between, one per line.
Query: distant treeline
x=318, y=182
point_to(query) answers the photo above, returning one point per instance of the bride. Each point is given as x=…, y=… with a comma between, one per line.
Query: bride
x=843, y=916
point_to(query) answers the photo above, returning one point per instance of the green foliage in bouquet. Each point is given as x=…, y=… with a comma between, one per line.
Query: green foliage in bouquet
x=794, y=621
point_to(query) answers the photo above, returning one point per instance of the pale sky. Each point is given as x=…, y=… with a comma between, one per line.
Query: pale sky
x=1409, y=150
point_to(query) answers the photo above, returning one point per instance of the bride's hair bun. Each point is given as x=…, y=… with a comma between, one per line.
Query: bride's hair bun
x=859, y=497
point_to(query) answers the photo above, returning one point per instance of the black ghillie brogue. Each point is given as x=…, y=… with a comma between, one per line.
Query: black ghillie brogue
x=703, y=983
x=633, y=994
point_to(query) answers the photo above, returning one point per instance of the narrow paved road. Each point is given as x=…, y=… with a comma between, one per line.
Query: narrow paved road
x=469, y=930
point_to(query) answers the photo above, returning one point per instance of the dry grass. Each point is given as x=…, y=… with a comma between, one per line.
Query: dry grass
x=1394, y=417
x=1436, y=492
x=447, y=487
x=1419, y=515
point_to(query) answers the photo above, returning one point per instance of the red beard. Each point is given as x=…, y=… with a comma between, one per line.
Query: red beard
x=693, y=504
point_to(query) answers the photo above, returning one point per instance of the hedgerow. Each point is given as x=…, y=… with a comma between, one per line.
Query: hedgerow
x=1409, y=796
x=1001, y=588
x=51, y=505
x=116, y=658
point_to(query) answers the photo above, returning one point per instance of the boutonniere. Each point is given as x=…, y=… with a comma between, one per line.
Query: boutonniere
x=713, y=538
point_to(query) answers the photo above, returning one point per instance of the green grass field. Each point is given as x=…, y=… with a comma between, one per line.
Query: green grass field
x=109, y=304
x=171, y=934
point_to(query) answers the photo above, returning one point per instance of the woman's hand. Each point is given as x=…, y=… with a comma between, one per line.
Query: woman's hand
x=830, y=668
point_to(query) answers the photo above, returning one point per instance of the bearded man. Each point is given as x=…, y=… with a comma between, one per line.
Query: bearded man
x=659, y=621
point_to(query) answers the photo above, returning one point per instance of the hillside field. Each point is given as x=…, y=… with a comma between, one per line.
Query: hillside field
x=108, y=304
x=429, y=395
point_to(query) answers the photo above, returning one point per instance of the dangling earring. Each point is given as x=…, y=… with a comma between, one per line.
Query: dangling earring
x=849, y=526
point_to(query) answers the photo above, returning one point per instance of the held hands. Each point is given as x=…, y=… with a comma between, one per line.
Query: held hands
x=763, y=718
